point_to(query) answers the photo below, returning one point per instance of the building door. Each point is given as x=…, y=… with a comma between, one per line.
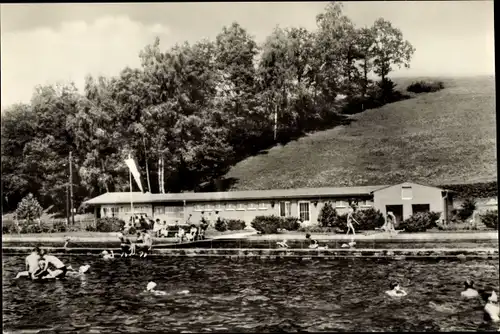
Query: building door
x=397, y=210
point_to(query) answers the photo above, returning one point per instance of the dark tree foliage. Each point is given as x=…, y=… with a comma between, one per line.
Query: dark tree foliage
x=190, y=112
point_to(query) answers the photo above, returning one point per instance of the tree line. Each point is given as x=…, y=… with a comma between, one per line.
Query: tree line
x=191, y=112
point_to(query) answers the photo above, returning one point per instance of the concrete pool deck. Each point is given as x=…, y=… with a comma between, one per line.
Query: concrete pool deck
x=252, y=236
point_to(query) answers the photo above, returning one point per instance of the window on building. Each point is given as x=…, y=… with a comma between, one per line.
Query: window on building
x=230, y=207
x=209, y=207
x=199, y=207
x=240, y=206
x=364, y=202
x=159, y=210
x=219, y=207
x=263, y=206
x=304, y=214
x=285, y=209
x=114, y=210
x=340, y=204
x=252, y=206
x=104, y=211
x=406, y=192
x=416, y=208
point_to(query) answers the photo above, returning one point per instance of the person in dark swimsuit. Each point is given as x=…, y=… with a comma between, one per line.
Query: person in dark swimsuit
x=312, y=243
x=128, y=248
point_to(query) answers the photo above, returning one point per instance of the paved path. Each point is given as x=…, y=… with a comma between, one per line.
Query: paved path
x=373, y=236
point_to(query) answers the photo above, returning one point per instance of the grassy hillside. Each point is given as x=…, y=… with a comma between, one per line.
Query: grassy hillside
x=435, y=138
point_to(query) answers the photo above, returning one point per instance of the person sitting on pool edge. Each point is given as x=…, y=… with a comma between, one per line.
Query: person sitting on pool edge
x=128, y=248
x=470, y=291
x=396, y=290
x=312, y=243
x=146, y=245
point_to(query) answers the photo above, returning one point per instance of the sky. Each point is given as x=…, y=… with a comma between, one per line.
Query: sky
x=50, y=43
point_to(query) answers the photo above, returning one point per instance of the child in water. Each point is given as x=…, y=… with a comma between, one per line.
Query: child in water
x=107, y=256
x=469, y=291
x=396, y=290
x=491, y=309
x=282, y=244
x=151, y=288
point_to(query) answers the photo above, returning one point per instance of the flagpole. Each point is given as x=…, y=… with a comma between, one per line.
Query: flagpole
x=131, y=196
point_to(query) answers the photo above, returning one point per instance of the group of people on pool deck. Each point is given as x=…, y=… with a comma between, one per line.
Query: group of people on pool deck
x=40, y=265
x=142, y=245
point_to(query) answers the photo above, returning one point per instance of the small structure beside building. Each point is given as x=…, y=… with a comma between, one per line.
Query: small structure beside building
x=175, y=208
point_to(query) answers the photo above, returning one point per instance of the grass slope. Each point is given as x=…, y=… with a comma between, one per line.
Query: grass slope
x=435, y=138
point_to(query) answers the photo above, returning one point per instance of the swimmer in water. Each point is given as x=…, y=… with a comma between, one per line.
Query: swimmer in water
x=491, y=310
x=312, y=243
x=282, y=244
x=469, y=291
x=351, y=244
x=396, y=291
x=151, y=288
x=81, y=271
x=107, y=256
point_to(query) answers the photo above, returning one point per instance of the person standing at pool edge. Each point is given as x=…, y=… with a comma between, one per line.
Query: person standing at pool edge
x=350, y=219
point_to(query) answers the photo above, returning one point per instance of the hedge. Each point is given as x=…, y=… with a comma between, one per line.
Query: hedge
x=235, y=224
x=109, y=224
x=271, y=224
x=220, y=225
x=425, y=86
x=490, y=219
x=420, y=222
x=368, y=219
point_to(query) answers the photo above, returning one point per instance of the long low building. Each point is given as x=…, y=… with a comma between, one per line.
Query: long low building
x=402, y=199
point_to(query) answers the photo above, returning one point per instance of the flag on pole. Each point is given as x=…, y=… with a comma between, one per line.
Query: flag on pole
x=135, y=172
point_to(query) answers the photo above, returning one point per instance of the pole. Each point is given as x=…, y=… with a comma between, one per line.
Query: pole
x=131, y=197
x=71, y=187
x=146, y=158
x=67, y=204
x=275, y=121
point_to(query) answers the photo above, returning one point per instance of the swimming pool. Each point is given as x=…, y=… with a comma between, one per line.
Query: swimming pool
x=247, y=295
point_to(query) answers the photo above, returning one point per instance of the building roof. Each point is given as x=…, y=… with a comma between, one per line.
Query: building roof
x=138, y=197
x=411, y=183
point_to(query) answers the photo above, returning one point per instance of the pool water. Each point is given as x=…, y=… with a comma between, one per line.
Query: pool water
x=247, y=295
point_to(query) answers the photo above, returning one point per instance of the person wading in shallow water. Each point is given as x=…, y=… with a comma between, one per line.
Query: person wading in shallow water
x=60, y=268
x=32, y=260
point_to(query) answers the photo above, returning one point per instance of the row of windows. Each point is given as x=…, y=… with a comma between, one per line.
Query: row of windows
x=126, y=209
x=231, y=206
